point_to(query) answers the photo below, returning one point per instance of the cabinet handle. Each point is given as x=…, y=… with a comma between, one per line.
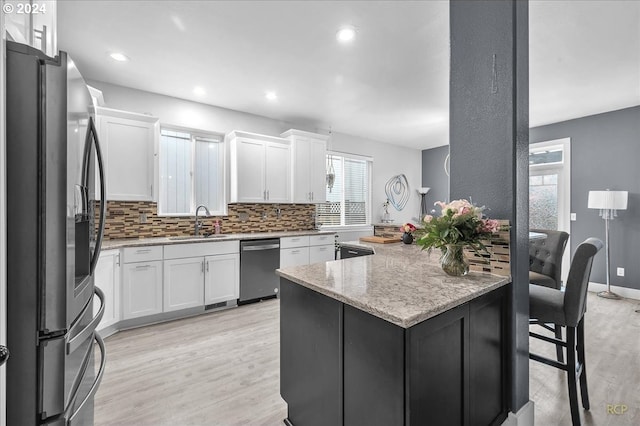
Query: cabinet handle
x=143, y=251
x=267, y=195
x=311, y=196
x=202, y=267
x=264, y=195
x=143, y=267
x=295, y=251
x=323, y=249
x=207, y=266
x=118, y=260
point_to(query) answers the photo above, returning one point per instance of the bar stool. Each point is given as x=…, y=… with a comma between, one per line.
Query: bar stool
x=552, y=306
x=545, y=267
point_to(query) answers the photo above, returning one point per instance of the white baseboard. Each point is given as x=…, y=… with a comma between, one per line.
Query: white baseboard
x=629, y=293
x=524, y=416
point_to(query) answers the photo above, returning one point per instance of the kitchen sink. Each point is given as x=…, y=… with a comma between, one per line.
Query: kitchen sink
x=197, y=237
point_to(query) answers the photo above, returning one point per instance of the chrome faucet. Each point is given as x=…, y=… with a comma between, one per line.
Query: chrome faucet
x=198, y=225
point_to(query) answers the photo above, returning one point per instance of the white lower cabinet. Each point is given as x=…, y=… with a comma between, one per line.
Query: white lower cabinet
x=222, y=278
x=201, y=274
x=107, y=278
x=183, y=283
x=323, y=253
x=141, y=289
x=294, y=256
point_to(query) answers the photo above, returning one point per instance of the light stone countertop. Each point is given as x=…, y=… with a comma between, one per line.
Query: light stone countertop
x=399, y=283
x=161, y=241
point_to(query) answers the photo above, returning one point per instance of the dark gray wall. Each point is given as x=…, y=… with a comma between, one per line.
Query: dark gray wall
x=488, y=132
x=605, y=154
x=434, y=176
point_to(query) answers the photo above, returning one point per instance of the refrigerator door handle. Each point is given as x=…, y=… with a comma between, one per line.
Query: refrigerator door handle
x=96, y=383
x=103, y=201
x=81, y=336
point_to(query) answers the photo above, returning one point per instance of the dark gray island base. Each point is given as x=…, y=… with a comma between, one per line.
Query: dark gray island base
x=341, y=365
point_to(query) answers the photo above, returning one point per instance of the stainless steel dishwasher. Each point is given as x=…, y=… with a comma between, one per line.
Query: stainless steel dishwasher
x=259, y=260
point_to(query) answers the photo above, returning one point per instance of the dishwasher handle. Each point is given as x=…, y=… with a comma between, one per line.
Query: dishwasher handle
x=261, y=247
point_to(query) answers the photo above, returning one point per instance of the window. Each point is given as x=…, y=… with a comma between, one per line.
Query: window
x=348, y=202
x=191, y=172
x=549, y=188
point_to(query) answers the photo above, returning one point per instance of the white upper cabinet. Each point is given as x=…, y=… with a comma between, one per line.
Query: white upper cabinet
x=260, y=168
x=129, y=144
x=308, y=153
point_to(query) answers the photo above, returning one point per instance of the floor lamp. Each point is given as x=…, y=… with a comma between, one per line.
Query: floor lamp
x=423, y=202
x=608, y=202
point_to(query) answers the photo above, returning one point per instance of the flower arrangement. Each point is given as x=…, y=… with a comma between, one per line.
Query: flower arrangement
x=408, y=228
x=461, y=223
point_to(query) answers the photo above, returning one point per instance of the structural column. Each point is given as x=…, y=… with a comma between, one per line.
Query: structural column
x=489, y=137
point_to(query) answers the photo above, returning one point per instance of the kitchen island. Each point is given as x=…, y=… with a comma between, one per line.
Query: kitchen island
x=389, y=339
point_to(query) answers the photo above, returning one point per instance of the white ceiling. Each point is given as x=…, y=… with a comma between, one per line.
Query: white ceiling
x=390, y=84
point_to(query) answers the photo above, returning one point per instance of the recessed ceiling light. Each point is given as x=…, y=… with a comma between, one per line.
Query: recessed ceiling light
x=271, y=96
x=346, y=34
x=120, y=57
x=198, y=91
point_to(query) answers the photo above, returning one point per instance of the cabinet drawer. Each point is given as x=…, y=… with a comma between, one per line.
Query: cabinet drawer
x=320, y=240
x=325, y=253
x=288, y=242
x=294, y=257
x=141, y=254
x=178, y=251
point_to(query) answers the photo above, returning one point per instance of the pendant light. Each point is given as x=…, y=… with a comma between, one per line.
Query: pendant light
x=331, y=174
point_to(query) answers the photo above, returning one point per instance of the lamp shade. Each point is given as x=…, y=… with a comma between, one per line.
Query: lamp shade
x=608, y=200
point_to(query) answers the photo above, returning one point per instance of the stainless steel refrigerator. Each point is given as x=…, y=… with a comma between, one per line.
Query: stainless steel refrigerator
x=53, y=242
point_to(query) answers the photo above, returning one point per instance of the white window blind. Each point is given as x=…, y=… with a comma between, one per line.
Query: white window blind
x=348, y=201
x=191, y=172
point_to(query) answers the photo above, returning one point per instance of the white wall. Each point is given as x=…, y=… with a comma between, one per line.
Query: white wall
x=193, y=115
x=388, y=160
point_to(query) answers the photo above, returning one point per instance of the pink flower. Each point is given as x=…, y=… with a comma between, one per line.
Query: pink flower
x=407, y=227
x=489, y=225
x=428, y=218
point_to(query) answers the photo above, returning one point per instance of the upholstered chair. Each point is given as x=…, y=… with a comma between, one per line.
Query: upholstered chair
x=545, y=266
x=550, y=306
x=545, y=258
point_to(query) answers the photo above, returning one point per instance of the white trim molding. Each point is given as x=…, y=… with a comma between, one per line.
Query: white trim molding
x=524, y=416
x=628, y=293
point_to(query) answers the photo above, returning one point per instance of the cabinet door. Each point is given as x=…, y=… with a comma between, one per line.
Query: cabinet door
x=183, y=283
x=319, y=254
x=222, y=278
x=141, y=289
x=278, y=172
x=250, y=160
x=129, y=154
x=301, y=167
x=317, y=171
x=107, y=278
x=294, y=257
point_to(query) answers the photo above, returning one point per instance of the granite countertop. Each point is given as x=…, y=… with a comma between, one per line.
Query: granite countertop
x=399, y=283
x=131, y=242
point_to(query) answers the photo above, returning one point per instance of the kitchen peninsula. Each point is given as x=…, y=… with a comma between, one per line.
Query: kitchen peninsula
x=390, y=339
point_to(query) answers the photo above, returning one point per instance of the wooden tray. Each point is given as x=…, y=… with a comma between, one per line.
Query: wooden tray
x=380, y=240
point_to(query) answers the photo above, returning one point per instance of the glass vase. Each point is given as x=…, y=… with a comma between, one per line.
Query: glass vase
x=453, y=261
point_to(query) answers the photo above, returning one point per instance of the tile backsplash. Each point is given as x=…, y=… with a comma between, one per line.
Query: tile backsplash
x=139, y=219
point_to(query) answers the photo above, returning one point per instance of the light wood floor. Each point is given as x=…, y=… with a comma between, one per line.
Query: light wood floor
x=612, y=352
x=222, y=369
